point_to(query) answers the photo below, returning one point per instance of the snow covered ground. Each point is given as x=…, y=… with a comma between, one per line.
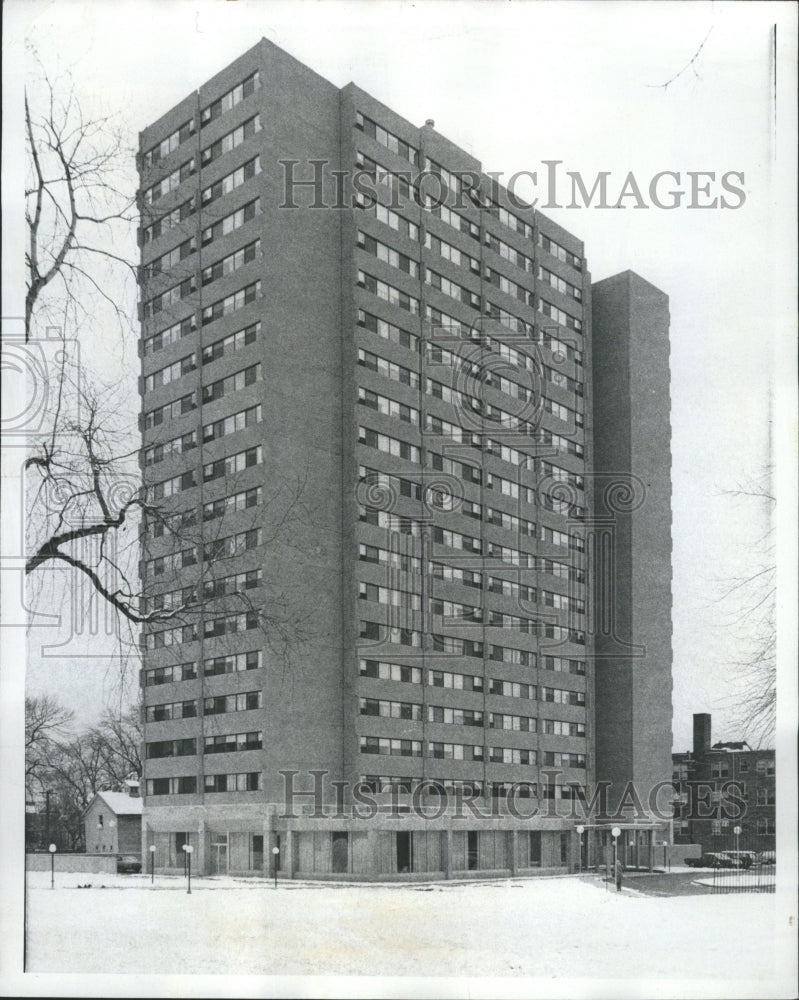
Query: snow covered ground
x=548, y=928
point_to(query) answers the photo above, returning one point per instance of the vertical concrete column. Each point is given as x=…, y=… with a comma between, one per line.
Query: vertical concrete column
x=511, y=835
x=288, y=846
x=446, y=853
x=266, y=832
x=201, y=860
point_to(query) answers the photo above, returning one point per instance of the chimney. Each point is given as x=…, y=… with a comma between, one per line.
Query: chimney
x=133, y=787
x=701, y=733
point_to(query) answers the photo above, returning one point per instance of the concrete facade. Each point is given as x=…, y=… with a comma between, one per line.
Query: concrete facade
x=632, y=505
x=373, y=418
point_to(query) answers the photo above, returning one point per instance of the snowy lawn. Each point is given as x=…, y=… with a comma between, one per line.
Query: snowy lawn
x=546, y=927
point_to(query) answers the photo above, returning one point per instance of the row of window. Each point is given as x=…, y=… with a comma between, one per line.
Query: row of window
x=184, y=597
x=410, y=600
x=249, y=782
x=493, y=550
x=212, y=667
x=228, y=743
x=217, y=548
x=243, y=500
x=453, y=645
x=450, y=326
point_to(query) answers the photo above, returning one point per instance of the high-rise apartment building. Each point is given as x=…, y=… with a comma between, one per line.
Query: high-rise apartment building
x=370, y=427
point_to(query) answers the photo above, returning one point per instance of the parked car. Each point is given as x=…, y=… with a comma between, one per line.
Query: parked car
x=128, y=864
x=766, y=858
x=747, y=858
x=717, y=859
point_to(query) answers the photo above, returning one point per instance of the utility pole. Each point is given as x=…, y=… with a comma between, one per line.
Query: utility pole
x=47, y=817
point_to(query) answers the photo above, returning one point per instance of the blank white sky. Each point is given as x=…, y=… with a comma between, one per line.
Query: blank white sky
x=516, y=84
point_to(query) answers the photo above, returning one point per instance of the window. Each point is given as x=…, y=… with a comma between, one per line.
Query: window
x=451, y=288
x=454, y=716
x=245, y=701
x=170, y=259
x=247, y=782
x=168, y=712
x=510, y=220
x=390, y=671
x=232, y=383
x=231, y=98
x=388, y=331
x=234, y=261
x=169, y=183
x=386, y=138
x=233, y=545
x=231, y=140
x=389, y=747
x=168, y=221
x=232, y=664
x=231, y=465
x=561, y=253
x=388, y=293
x=387, y=254
x=230, y=624
x=511, y=755
x=454, y=751
x=390, y=709
x=171, y=674
x=517, y=723
x=559, y=283
x=511, y=689
x=172, y=786
x=458, y=682
x=557, y=727
x=390, y=445
x=236, y=501
x=173, y=295
x=233, y=743
x=509, y=253
x=388, y=368
x=232, y=222
x=169, y=374
x=388, y=407
x=451, y=253
x=168, y=145
x=404, y=487
x=231, y=181
x=559, y=315
x=171, y=335
x=506, y=654
x=171, y=748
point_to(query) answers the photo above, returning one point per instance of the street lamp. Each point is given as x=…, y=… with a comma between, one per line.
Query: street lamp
x=152, y=864
x=616, y=870
x=188, y=849
x=737, y=832
x=580, y=832
x=52, y=865
x=275, y=853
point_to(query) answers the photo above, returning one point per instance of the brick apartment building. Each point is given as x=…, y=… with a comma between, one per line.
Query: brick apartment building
x=704, y=812
x=472, y=433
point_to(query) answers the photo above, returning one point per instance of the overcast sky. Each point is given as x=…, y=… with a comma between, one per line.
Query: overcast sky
x=517, y=84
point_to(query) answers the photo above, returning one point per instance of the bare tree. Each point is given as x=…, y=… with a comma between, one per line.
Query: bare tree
x=46, y=722
x=119, y=739
x=750, y=601
x=88, y=510
x=77, y=208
